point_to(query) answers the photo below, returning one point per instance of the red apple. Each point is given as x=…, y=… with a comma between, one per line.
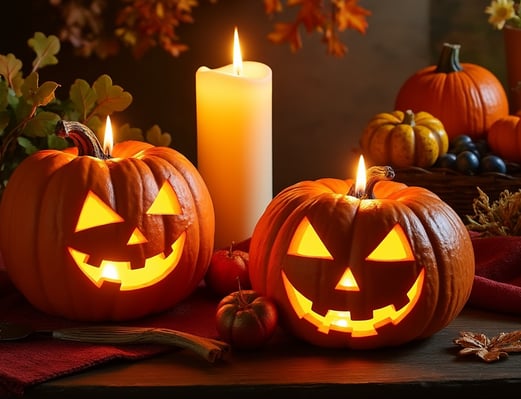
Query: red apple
x=228, y=270
x=246, y=320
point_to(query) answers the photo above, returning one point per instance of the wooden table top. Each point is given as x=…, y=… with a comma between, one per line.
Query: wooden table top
x=425, y=369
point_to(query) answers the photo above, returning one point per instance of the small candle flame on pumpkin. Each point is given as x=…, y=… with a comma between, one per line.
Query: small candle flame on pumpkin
x=237, y=55
x=361, y=178
x=108, y=140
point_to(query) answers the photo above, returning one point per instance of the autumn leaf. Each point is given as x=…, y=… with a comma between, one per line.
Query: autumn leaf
x=45, y=48
x=489, y=350
x=325, y=17
x=286, y=32
x=83, y=97
x=156, y=137
x=41, y=125
x=349, y=15
x=126, y=132
x=272, y=6
x=10, y=66
x=110, y=97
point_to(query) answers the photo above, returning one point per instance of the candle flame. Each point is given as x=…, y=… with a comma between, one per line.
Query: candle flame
x=108, y=140
x=360, y=178
x=237, y=56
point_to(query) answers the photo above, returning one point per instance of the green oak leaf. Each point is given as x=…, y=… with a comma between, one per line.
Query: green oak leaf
x=83, y=97
x=110, y=97
x=4, y=92
x=56, y=143
x=126, y=132
x=155, y=137
x=10, y=66
x=5, y=117
x=45, y=48
x=38, y=95
x=42, y=124
x=27, y=145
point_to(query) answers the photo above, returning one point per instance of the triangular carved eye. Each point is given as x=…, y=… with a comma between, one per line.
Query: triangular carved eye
x=166, y=202
x=306, y=242
x=95, y=213
x=394, y=247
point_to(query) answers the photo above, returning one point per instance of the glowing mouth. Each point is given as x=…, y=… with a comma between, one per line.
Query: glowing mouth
x=337, y=320
x=156, y=268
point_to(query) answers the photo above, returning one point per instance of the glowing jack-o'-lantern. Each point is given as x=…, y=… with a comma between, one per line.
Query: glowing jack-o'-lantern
x=106, y=239
x=362, y=272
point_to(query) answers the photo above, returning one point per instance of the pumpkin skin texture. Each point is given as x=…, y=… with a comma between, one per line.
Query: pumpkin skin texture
x=42, y=238
x=466, y=97
x=504, y=138
x=402, y=139
x=437, y=260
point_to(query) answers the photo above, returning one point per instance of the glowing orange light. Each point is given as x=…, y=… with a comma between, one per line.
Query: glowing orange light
x=108, y=140
x=237, y=56
x=360, y=178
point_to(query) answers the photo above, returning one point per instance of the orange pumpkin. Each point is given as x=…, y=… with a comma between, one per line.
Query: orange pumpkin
x=115, y=239
x=466, y=97
x=504, y=138
x=403, y=139
x=361, y=273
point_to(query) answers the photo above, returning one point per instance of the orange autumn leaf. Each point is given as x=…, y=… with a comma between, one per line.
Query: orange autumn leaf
x=350, y=15
x=325, y=17
x=285, y=32
x=272, y=6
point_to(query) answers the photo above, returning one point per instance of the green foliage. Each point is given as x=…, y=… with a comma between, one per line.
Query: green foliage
x=29, y=110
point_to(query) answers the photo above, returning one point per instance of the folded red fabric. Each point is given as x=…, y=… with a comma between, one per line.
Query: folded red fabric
x=31, y=361
x=497, y=283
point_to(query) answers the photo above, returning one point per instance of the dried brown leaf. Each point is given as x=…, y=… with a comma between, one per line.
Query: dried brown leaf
x=487, y=349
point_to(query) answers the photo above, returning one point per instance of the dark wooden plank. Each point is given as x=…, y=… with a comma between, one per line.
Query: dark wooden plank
x=429, y=368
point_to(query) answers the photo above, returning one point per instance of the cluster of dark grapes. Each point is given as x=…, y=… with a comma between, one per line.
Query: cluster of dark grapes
x=471, y=157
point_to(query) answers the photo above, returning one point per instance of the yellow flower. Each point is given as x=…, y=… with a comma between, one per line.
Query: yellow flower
x=502, y=12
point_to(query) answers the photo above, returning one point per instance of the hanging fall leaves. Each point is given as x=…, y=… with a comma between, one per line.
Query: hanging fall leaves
x=325, y=17
x=100, y=27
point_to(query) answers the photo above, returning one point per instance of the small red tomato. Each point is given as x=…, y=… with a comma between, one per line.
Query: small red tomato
x=245, y=319
x=227, y=269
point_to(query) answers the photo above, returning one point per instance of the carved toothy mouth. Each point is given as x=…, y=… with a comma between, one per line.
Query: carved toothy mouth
x=337, y=320
x=155, y=268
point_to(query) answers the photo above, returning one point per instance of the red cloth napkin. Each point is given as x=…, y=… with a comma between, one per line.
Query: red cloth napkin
x=34, y=360
x=497, y=283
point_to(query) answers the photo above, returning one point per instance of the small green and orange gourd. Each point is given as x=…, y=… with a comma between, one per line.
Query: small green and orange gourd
x=402, y=139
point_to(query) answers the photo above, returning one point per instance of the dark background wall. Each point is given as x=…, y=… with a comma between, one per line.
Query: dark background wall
x=320, y=103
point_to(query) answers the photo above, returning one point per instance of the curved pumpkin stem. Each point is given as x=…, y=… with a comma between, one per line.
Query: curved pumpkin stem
x=82, y=137
x=374, y=175
x=449, y=59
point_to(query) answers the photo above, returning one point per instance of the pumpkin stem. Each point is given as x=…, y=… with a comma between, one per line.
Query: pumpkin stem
x=408, y=118
x=374, y=175
x=449, y=59
x=230, y=249
x=82, y=137
x=241, y=298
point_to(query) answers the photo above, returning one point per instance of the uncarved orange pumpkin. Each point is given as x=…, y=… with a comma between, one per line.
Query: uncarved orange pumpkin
x=466, y=97
x=106, y=240
x=361, y=273
x=504, y=138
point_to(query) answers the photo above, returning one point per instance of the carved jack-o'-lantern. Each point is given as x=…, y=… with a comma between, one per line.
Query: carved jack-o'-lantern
x=113, y=239
x=362, y=272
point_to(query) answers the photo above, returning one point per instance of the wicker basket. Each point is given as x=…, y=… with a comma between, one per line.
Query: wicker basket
x=456, y=189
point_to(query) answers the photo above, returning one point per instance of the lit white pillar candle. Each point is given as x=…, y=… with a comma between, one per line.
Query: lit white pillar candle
x=234, y=143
